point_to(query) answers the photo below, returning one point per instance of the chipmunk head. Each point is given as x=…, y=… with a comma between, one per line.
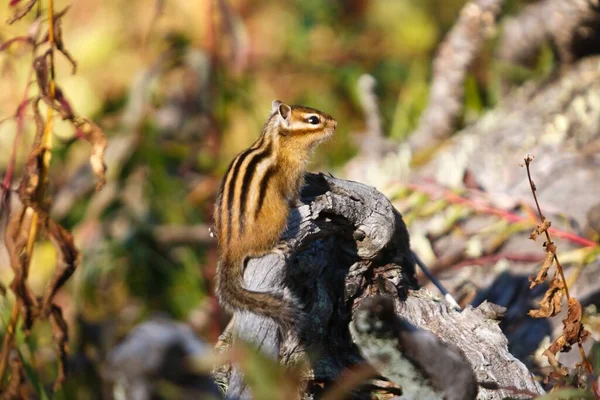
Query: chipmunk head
x=303, y=125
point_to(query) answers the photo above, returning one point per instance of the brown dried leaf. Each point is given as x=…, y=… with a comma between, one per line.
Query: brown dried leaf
x=59, y=102
x=541, y=228
x=39, y=123
x=22, y=12
x=60, y=332
x=30, y=181
x=62, y=105
x=40, y=66
x=550, y=305
x=550, y=247
x=543, y=272
x=573, y=328
x=573, y=331
x=15, y=239
x=67, y=262
x=558, y=345
x=58, y=41
x=91, y=132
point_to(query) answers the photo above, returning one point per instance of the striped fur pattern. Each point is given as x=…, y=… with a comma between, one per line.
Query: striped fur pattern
x=254, y=202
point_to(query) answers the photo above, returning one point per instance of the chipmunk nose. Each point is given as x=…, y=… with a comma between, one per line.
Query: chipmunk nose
x=334, y=124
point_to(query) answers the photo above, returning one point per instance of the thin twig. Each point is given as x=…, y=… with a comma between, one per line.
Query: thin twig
x=528, y=160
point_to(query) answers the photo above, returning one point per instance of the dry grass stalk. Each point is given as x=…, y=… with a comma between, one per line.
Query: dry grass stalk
x=551, y=304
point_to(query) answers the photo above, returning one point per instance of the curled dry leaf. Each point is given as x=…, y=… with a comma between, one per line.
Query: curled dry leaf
x=67, y=262
x=573, y=327
x=541, y=228
x=30, y=182
x=39, y=123
x=40, y=67
x=91, y=132
x=58, y=41
x=60, y=334
x=58, y=102
x=573, y=330
x=550, y=305
x=16, y=236
x=543, y=272
x=63, y=106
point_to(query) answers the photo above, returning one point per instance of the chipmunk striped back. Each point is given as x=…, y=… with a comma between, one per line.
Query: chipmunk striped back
x=254, y=202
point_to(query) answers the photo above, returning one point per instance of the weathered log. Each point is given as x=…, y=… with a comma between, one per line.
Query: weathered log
x=348, y=244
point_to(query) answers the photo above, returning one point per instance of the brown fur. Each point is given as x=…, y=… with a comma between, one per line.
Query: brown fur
x=254, y=203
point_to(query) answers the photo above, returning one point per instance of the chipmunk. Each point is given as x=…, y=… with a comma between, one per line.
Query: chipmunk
x=254, y=201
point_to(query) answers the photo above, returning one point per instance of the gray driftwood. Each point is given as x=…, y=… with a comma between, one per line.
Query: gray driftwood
x=347, y=245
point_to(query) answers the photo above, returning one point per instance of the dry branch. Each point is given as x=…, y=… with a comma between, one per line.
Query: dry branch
x=571, y=26
x=454, y=58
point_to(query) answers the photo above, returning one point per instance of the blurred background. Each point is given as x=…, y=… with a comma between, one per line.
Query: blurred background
x=179, y=87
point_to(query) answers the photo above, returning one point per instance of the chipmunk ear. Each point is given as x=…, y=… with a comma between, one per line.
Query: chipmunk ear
x=284, y=111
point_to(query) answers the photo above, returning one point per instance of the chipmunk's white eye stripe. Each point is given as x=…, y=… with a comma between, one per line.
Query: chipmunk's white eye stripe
x=313, y=120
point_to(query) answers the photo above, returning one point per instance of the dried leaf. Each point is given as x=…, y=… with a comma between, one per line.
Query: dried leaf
x=60, y=332
x=550, y=305
x=59, y=102
x=15, y=239
x=30, y=182
x=550, y=247
x=22, y=12
x=63, y=106
x=39, y=123
x=67, y=261
x=573, y=331
x=91, y=132
x=572, y=327
x=40, y=66
x=543, y=272
x=541, y=228
x=58, y=41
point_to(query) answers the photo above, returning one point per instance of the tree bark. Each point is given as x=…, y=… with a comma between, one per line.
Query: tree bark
x=348, y=245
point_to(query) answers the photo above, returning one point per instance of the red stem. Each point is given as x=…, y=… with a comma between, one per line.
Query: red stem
x=481, y=208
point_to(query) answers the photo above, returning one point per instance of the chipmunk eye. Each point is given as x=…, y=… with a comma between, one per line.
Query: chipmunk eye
x=313, y=120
